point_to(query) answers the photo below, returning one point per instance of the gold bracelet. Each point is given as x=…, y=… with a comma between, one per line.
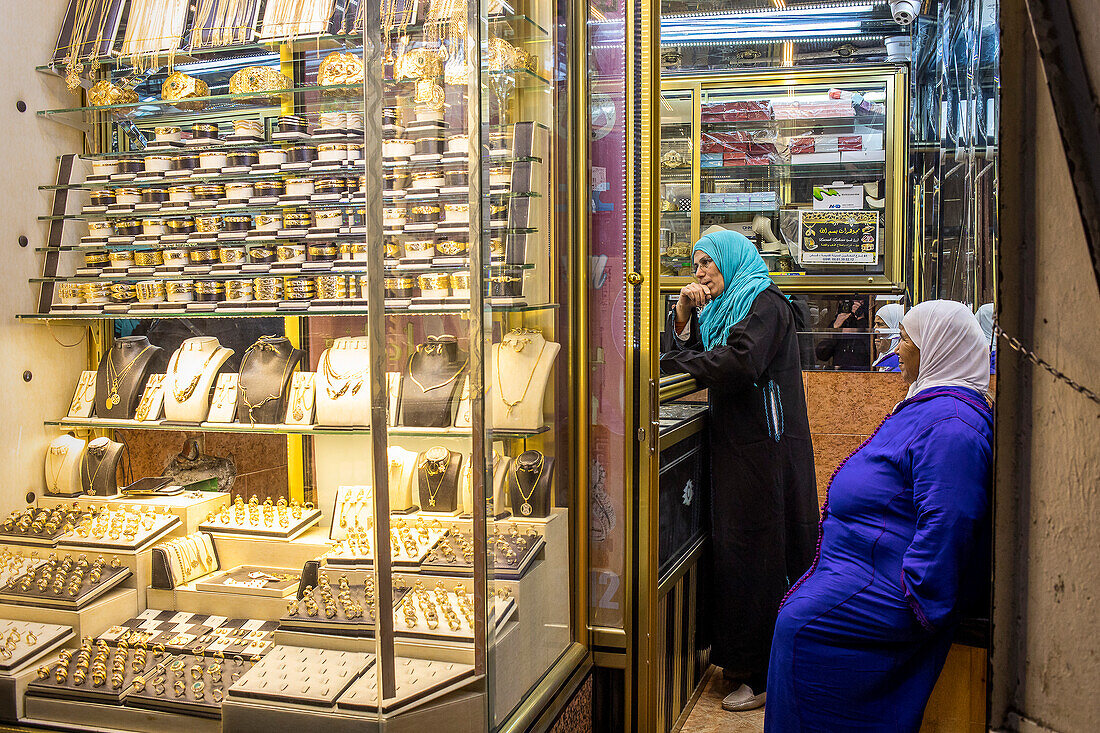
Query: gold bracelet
x=179, y=86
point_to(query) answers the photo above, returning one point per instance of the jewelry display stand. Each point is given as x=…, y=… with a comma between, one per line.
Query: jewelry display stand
x=189, y=378
x=302, y=676
x=438, y=473
x=183, y=559
x=462, y=414
x=149, y=530
x=223, y=405
x=31, y=641
x=61, y=679
x=355, y=616
x=266, y=369
x=183, y=632
x=253, y=580
x=424, y=617
x=205, y=702
x=151, y=406
x=431, y=382
x=41, y=527
x=192, y=507
x=122, y=374
x=280, y=521
x=31, y=593
x=393, y=392
x=84, y=398
x=417, y=679
x=512, y=555
x=64, y=466
x=520, y=371
x=303, y=390
x=529, y=482
x=408, y=547
x=342, y=391
x=99, y=469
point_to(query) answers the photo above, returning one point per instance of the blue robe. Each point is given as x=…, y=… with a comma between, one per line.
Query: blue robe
x=888, y=363
x=862, y=636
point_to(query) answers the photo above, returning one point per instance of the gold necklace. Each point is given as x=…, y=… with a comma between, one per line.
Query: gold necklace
x=113, y=382
x=432, y=468
x=452, y=378
x=331, y=375
x=102, y=460
x=63, y=451
x=300, y=400
x=525, y=507
x=262, y=344
x=73, y=68
x=183, y=395
x=511, y=404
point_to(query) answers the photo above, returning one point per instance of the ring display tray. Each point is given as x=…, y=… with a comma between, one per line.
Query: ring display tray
x=407, y=550
x=17, y=591
x=183, y=632
x=261, y=529
x=202, y=701
x=110, y=692
x=14, y=535
x=163, y=524
x=302, y=676
x=447, y=556
x=417, y=679
x=339, y=623
x=499, y=611
x=254, y=580
x=47, y=638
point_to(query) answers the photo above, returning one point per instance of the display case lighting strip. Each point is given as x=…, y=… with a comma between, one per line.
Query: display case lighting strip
x=783, y=14
x=769, y=41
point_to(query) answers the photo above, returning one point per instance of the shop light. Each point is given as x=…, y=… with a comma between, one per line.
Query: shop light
x=768, y=25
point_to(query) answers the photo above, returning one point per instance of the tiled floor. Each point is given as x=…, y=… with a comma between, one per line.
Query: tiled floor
x=708, y=716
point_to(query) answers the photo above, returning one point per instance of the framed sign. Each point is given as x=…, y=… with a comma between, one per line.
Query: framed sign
x=838, y=237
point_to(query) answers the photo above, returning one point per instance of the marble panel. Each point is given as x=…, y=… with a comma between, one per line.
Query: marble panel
x=851, y=403
x=829, y=451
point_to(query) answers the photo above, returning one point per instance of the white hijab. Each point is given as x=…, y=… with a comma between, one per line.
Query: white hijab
x=985, y=320
x=953, y=351
x=890, y=314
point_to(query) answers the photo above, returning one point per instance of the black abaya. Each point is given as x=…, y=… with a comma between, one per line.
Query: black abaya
x=763, y=491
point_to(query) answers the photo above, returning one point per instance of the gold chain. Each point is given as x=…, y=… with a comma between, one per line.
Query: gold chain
x=183, y=395
x=441, y=470
x=113, y=382
x=510, y=403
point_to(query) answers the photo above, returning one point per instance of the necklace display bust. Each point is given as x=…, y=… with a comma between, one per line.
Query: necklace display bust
x=342, y=383
x=529, y=480
x=520, y=372
x=99, y=471
x=431, y=383
x=64, y=464
x=190, y=377
x=123, y=371
x=438, y=471
x=266, y=369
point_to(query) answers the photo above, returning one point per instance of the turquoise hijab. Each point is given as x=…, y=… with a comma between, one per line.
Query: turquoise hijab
x=746, y=277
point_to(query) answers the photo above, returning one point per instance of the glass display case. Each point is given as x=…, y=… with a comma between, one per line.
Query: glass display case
x=319, y=467
x=808, y=164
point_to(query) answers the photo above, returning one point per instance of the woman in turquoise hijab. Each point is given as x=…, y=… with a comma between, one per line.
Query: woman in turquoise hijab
x=736, y=333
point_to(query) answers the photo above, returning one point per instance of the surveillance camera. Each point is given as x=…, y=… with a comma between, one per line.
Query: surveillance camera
x=904, y=11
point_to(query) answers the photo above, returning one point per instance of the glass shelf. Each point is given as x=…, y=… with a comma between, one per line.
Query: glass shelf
x=94, y=423
x=503, y=25
x=311, y=205
x=390, y=269
x=270, y=312
x=796, y=170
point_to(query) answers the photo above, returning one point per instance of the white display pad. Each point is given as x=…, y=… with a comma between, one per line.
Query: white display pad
x=150, y=528
x=151, y=406
x=84, y=398
x=223, y=405
x=299, y=407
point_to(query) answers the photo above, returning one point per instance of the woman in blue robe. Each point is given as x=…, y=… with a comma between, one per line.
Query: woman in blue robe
x=862, y=636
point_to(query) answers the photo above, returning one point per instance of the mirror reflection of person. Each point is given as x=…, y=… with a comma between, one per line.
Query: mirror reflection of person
x=888, y=318
x=850, y=349
x=862, y=636
x=736, y=333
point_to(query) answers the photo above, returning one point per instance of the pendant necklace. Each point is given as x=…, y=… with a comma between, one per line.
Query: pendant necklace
x=525, y=508
x=262, y=345
x=435, y=468
x=331, y=376
x=115, y=380
x=511, y=404
x=63, y=451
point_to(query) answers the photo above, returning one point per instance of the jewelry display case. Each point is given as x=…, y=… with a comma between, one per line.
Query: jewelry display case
x=809, y=164
x=325, y=247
